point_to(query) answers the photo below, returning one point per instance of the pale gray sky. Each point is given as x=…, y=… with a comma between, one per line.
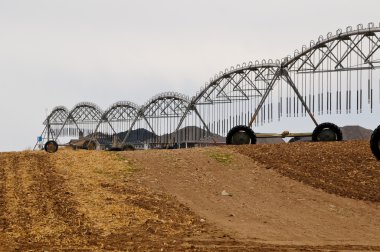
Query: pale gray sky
x=63, y=52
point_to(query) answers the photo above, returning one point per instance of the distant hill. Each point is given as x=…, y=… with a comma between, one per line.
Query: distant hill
x=193, y=133
x=137, y=135
x=197, y=134
x=356, y=133
x=351, y=132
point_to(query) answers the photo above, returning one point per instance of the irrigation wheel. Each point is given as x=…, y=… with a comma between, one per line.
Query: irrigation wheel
x=241, y=135
x=51, y=146
x=375, y=142
x=327, y=132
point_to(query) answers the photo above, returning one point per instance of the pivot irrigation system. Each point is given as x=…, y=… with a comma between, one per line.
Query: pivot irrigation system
x=336, y=74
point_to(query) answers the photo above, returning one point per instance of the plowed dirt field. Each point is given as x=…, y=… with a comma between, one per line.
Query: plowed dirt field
x=301, y=196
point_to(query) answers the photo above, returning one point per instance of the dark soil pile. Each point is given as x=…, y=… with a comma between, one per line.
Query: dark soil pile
x=345, y=168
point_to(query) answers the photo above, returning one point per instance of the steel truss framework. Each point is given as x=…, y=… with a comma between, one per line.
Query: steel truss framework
x=335, y=74
x=81, y=120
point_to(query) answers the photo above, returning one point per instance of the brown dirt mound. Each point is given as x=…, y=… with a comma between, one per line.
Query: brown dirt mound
x=88, y=201
x=83, y=200
x=171, y=199
x=260, y=204
x=345, y=168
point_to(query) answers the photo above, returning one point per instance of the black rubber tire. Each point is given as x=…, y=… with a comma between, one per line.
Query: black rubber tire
x=374, y=143
x=239, y=128
x=51, y=146
x=330, y=126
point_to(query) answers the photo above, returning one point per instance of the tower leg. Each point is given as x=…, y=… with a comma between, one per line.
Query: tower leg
x=293, y=86
x=265, y=96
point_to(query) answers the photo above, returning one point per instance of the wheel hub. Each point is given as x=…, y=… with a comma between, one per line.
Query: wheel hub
x=51, y=147
x=240, y=137
x=327, y=135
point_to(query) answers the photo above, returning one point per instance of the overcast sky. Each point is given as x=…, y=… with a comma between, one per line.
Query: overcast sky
x=64, y=52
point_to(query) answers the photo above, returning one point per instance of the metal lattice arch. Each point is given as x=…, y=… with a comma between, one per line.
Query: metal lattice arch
x=246, y=91
x=336, y=74
x=53, y=123
x=81, y=121
x=57, y=116
x=159, y=119
x=230, y=98
x=165, y=104
x=116, y=123
x=338, y=48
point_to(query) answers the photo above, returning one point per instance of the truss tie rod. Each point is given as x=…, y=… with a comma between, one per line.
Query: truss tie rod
x=265, y=96
x=291, y=83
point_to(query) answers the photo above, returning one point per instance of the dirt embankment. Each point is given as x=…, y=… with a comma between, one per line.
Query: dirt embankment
x=265, y=206
x=82, y=200
x=345, y=168
x=246, y=198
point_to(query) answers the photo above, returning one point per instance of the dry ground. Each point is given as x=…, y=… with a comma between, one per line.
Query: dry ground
x=301, y=196
x=344, y=168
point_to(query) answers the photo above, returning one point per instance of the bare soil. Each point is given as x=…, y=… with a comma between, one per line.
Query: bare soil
x=161, y=200
x=345, y=168
x=304, y=207
x=88, y=201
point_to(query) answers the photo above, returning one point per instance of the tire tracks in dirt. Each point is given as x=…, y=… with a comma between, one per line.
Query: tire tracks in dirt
x=39, y=209
x=6, y=244
x=58, y=199
x=2, y=192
